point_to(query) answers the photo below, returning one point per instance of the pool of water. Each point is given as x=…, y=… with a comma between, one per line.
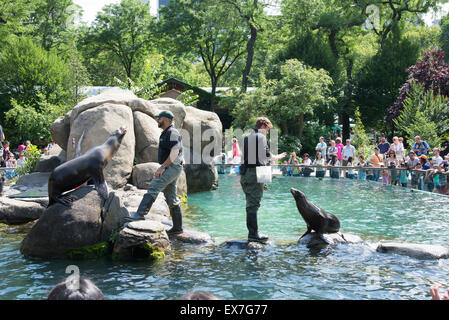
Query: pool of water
x=284, y=270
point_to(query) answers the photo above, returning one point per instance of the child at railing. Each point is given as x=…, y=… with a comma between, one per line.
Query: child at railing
x=285, y=169
x=392, y=163
x=362, y=172
x=334, y=173
x=350, y=173
x=319, y=161
x=403, y=176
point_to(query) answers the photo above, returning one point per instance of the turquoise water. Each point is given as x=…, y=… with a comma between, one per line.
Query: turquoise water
x=283, y=270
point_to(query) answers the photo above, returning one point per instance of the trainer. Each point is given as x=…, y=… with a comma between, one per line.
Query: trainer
x=170, y=156
x=256, y=153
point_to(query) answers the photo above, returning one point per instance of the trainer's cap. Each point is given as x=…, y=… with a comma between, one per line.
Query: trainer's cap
x=165, y=113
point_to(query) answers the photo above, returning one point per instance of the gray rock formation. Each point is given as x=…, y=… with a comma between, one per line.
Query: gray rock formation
x=191, y=236
x=61, y=229
x=141, y=239
x=15, y=212
x=312, y=239
x=414, y=250
x=147, y=137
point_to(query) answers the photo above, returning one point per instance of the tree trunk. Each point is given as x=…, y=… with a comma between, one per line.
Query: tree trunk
x=301, y=125
x=346, y=127
x=249, y=59
x=212, y=95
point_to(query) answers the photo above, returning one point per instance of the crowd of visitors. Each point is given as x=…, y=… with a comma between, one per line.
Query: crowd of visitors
x=392, y=156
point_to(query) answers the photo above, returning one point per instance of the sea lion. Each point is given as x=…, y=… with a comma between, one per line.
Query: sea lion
x=316, y=219
x=77, y=171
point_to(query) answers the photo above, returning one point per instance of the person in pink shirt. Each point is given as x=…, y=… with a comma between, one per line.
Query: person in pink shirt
x=21, y=148
x=339, y=147
x=236, y=156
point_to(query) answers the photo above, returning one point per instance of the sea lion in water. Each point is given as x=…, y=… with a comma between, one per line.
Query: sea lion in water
x=316, y=219
x=77, y=171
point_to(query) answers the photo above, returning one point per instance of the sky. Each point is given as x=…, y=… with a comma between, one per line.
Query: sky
x=91, y=7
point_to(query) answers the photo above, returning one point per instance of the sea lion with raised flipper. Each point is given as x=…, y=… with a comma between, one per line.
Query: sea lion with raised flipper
x=77, y=171
x=316, y=219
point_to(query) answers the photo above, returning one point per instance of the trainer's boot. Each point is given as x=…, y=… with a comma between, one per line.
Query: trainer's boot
x=251, y=223
x=176, y=215
x=144, y=208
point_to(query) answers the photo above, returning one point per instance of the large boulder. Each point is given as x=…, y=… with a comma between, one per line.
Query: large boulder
x=201, y=126
x=200, y=177
x=47, y=163
x=143, y=174
x=414, y=250
x=175, y=106
x=61, y=229
x=60, y=130
x=92, y=127
x=15, y=212
x=147, y=137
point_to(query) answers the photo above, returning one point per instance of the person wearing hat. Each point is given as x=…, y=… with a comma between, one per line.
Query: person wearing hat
x=170, y=157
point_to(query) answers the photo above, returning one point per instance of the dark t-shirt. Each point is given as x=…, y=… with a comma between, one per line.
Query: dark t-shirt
x=169, y=139
x=383, y=147
x=255, y=150
x=446, y=151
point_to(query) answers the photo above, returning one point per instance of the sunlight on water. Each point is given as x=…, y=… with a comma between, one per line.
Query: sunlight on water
x=284, y=270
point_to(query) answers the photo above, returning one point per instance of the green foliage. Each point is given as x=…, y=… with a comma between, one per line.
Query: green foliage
x=35, y=122
x=416, y=117
x=311, y=136
x=300, y=90
x=29, y=73
x=188, y=98
x=360, y=138
x=146, y=85
x=289, y=144
x=32, y=155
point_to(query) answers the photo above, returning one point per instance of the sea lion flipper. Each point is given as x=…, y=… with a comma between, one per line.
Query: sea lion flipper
x=309, y=230
x=102, y=189
x=66, y=200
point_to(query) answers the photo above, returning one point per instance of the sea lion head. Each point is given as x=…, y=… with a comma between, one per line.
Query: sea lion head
x=119, y=133
x=298, y=195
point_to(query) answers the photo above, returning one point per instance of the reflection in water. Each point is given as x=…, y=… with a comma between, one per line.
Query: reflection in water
x=283, y=270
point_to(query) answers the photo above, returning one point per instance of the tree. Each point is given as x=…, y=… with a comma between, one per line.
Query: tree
x=124, y=30
x=431, y=71
x=207, y=29
x=299, y=91
x=415, y=119
x=27, y=70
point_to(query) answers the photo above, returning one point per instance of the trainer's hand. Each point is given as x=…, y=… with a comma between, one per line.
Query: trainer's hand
x=159, y=172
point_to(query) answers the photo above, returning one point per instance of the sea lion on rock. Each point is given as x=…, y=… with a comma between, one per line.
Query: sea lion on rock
x=316, y=219
x=77, y=171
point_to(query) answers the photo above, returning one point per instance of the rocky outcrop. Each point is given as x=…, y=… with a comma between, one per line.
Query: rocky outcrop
x=61, y=229
x=143, y=174
x=89, y=123
x=147, y=137
x=201, y=177
x=34, y=180
x=414, y=250
x=47, y=163
x=245, y=245
x=145, y=239
x=15, y=212
x=312, y=239
x=92, y=128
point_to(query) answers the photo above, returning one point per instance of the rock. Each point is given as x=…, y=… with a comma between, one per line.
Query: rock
x=141, y=239
x=60, y=131
x=143, y=174
x=113, y=96
x=191, y=236
x=175, y=106
x=199, y=125
x=414, y=250
x=201, y=177
x=34, y=180
x=61, y=229
x=147, y=137
x=312, y=239
x=113, y=216
x=47, y=163
x=245, y=244
x=15, y=212
x=94, y=126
